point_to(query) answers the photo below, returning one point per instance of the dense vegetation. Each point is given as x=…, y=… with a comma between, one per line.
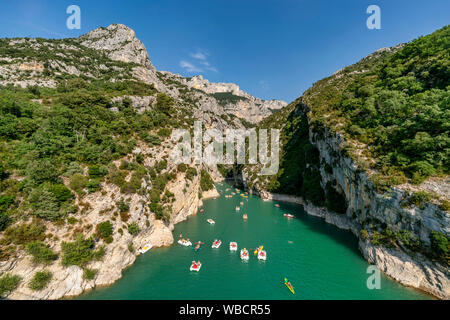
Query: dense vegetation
x=73, y=127
x=396, y=103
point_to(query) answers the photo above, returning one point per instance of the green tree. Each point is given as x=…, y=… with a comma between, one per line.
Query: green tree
x=42, y=171
x=78, y=182
x=44, y=204
x=40, y=280
x=41, y=253
x=78, y=252
x=133, y=229
x=105, y=230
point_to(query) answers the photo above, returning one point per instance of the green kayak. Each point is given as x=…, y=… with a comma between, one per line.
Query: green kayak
x=289, y=285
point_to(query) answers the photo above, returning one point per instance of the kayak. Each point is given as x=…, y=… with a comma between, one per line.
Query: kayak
x=233, y=246
x=289, y=285
x=195, y=266
x=216, y=244
x=258, y=250
x=198, y=246
x=287, y=215
x=210, y=221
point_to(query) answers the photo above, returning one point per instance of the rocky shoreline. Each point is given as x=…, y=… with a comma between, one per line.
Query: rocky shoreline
x=416, y=272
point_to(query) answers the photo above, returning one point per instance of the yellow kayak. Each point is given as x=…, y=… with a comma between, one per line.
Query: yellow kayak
x=289, y=285
x=257, y=250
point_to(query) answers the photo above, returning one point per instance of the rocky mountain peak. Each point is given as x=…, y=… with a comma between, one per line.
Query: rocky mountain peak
x=120, y=43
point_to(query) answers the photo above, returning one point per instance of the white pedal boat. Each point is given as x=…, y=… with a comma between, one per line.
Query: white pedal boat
x=237, y=208
x=244, y=254
x=210, y=221
x=262, y=255
x=216, y=244
x=185, y=243
x=145, y=248
x=233, y=246
x=195, y=266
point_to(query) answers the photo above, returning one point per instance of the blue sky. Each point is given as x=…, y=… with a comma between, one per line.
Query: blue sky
x=272, y=49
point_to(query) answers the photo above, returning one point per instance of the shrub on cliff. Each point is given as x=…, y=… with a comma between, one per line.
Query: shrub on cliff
x=94, y=185
x=89, y=274
x=61, y=192
x=191, y=173
x=105, y=230
x=164, y=103
x=206, y=182
x=23, y=233
x=5, y=220
x=78, y=182
x=419, y=199
x=182, y=167
x=78, y=252
x=122, y=205
x=440, y=246
x=6, y=201
x=155, y=195
x=8, y=283
x=97, y=171
x=133, y=229
x=41, y=171
x=40, y=280
x=41, y=253
x=44, y=204
x=73, y=168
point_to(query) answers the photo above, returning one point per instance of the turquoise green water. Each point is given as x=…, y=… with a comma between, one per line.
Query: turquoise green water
x=321, y=261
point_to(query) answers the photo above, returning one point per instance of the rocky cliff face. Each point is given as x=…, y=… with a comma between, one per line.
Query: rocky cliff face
x=250, y=108
x=365, y=203
x=120, y=43
x=220, y=98
x=367, y=209
x=112, y=55
x=45, y=60
x=123, y=250
x=366, y=206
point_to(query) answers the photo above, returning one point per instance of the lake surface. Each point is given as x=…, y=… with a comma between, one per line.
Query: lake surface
x=321, y=261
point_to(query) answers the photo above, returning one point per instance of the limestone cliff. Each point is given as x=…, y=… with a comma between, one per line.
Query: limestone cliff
x=344, y=158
